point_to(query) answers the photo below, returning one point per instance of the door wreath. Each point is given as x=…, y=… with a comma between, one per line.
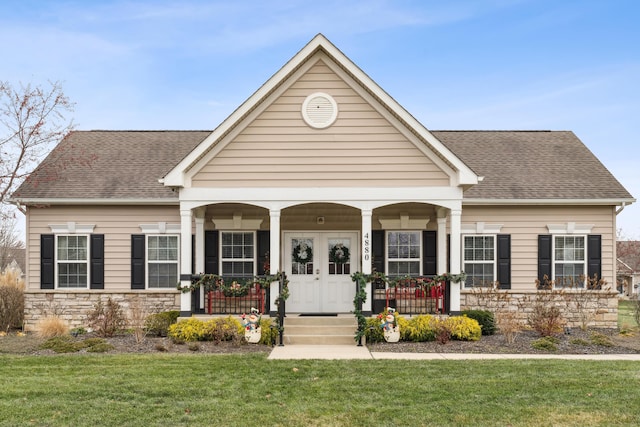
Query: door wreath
x=302, y=254
x=339, y=254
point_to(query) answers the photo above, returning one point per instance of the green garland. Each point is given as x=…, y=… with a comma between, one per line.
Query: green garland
x=214, y=282
x=339, y=254
x=302, y=254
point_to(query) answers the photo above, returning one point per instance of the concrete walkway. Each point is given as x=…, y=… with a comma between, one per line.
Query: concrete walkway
x=352, y=352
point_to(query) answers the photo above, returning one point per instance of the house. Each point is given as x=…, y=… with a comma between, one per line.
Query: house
x=628, y=267
x=319, y=158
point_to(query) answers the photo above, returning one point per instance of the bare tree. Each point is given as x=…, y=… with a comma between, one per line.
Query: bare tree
x=32, y=120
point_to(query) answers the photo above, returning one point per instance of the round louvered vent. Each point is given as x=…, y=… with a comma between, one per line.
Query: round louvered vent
x=319, y=110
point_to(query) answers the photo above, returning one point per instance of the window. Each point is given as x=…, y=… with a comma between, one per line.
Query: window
x=403, y=253
x=162, y=259
x=238, y=254
x=479, y=260
x=569, y=261
x=72, y=261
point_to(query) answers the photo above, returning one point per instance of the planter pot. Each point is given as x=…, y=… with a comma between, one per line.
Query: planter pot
x=253, y=335
x=392, y=335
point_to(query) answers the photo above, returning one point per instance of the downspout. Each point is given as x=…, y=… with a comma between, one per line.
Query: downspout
x=621, y=208
x=21, y=208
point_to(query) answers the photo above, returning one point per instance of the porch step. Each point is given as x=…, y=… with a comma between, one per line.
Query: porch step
x=321, y=330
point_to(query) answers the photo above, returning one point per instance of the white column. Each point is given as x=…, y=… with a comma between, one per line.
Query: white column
x=442, y=241
x=366, y=241
x=456, y=226
x=274, y=254
x=185, y=261
x=367, y=257
x=199, y=246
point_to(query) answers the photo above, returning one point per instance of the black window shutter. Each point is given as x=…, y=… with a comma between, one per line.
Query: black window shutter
x=137, y=261
x=429, y=253
x=594, y=255
x=97, y=261
x=211, y=252
x=377, y=250
x=193, y=255
x=504, y=261
x=47, y=261
x=264, y=239
x=544, y=257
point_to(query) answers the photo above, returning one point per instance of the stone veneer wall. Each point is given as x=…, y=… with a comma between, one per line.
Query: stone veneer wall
x=73, y=306
x=598, y=308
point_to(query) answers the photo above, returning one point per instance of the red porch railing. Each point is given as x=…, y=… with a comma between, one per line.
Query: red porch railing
x=414, y=299
x=217, y=303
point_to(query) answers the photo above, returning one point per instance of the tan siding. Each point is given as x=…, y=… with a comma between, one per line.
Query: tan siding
x=361, y=148
x=524, y=224
x=116, y=223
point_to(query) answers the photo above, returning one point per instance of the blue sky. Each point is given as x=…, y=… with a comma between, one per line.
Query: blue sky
x=477, y=64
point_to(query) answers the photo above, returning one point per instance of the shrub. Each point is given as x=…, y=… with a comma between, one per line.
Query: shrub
x=546, y=343
x=66, y=344
x=11, y=307
x=419, y=329
x=107, y=320
x=188, y=330
x=269, y=332
x=223, y=329
x=546, y=320
x=485, y=318
x=443, y=333
x=509, y=325
x=600, y=339
x=51, y=326
x=463, y=328
x=373, y=331
x=158, y=324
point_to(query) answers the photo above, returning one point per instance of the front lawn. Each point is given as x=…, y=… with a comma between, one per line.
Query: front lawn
x=248, y=390
x=626, y=314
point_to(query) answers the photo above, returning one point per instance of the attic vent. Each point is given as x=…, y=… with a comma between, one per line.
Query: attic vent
x=319, y=110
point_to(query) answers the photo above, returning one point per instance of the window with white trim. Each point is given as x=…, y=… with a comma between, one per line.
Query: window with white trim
x=404, y=253
x=72, y=261
x=162, y=261
x=569, y=260
x=238, y=253
x=479, y=258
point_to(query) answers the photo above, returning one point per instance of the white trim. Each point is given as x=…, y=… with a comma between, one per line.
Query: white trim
x=160, y=228
x=419, y=260
x=57, y=261
x=495, y=254
x=357, y=197
x=110, y=202
x=481, y=228
x=554, y=262
x=254, y=259
x=546, y=202
x=149, y=262
x=72, y=228
x=570, y=228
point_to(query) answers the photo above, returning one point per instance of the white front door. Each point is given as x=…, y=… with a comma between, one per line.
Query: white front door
x=319, y=268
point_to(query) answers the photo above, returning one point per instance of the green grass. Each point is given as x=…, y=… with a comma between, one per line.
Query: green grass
x=249, y=390
x=626, y=310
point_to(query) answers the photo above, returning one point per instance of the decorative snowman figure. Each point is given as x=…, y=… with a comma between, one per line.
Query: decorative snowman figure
x=389, y=327
x=252, y=329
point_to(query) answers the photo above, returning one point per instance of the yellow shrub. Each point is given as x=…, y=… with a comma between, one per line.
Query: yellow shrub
x=188, y=330
x=419, y=328
x=463, y=328
x=11, y=277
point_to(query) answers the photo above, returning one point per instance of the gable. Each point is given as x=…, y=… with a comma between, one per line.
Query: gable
x=361, y=148
x=320, y=48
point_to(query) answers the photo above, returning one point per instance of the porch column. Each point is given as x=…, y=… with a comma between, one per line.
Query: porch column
x=366, y=258
x=366, y=241
x=456, y=227
x=199, y=247
x=274, y=255
x=185, y=261
x=442, y=241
